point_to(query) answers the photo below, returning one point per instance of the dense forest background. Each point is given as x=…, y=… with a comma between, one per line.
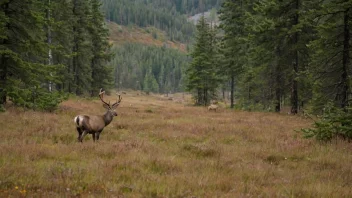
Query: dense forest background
x=279, y=53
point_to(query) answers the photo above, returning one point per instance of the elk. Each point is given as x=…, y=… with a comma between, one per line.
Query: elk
x=212, y=107
x=95, y=124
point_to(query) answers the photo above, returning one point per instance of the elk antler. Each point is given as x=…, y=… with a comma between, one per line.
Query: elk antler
x=101, y=96
x=117, y=103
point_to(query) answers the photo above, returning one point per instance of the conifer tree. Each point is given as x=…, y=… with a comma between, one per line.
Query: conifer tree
x=82, y=48
x=202, y=77
x=101, y=70
x=23, y=54
x=150, y=84
x=232, y=16
x=331, y=53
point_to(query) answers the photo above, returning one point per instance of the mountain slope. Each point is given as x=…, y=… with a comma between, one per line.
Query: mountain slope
x=120, y=35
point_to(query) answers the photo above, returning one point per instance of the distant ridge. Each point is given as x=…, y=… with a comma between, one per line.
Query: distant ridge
x=150, y=36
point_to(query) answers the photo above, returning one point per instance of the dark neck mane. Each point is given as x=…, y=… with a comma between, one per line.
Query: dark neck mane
x=107, y=118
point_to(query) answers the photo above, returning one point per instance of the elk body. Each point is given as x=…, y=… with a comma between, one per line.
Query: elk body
x=212, y=107
x=95, y=124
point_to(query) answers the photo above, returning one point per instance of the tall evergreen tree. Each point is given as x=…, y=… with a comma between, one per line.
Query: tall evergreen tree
x=232, y=16
x=101, y=71
x=82, y=48
x=62, y=42
x=23, y=53
x=202, y=76
x=331, y=65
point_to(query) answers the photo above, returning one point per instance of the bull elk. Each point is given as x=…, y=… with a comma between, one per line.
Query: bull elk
x=95, y=124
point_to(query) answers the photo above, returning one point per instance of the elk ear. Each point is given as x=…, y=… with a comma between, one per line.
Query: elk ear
x=106, y=106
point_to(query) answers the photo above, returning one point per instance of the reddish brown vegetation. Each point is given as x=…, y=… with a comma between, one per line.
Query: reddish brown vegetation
x=160, y=148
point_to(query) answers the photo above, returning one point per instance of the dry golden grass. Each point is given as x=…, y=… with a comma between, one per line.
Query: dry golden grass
x=161, y=148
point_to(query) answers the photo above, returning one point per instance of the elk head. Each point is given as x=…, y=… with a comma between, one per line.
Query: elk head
x=94, y=124
x=111, y=108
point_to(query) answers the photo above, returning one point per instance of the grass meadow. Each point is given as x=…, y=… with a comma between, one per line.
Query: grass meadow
x=157, y=147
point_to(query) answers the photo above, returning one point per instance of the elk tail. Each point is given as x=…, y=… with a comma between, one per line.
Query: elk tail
x=76, y=120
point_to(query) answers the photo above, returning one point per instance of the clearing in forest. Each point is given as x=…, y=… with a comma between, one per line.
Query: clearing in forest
x=158, y=147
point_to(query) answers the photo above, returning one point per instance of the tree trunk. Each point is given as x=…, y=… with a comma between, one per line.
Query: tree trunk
x=50, y=57
x=294, y=96
x=92, y=91
x=232, y=90
x=345, y=62
x=278, y=93
x=3, y=75
x=75, y=50
x=204, y=97
x=278, y=84
x=223, y=93
x=3, y=65
x=199, y=98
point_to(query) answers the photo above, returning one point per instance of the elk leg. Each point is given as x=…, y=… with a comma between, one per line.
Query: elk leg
x=93, y=134
x=83, y=135
x=98, y=134
x=79, y=130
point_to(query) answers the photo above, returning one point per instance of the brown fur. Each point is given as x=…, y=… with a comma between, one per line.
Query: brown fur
x=95, y=124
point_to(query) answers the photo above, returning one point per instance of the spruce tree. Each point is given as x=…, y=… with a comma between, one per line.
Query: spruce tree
x=232, y=16
x=101, y=70
x=23, y=55
x=82, y=48
x=202, y=77
x=331, y=54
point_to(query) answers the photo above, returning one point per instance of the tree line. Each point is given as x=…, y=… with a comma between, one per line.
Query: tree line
x=276, y=53
x=48, y=48
x=149, y=68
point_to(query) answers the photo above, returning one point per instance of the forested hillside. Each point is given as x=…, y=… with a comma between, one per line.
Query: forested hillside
x=149, y=68
x=120, y=35
x=167, y=15
x=143, y=33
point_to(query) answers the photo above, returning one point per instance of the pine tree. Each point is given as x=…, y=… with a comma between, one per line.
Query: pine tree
x=62, y=42
x=23, y=54
x=331, y=65
x=232, y=16
x=82, y=48
x=101, y=70
x=150, y=84
x=202, y=77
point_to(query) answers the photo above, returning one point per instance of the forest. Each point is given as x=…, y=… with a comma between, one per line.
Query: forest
x=49, y=48
x=277, y=53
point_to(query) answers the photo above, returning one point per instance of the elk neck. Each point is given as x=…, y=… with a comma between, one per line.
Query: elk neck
x=107, y=118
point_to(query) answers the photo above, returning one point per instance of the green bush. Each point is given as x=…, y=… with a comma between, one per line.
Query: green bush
x=2, y=108
x=37, y=98
x=334, y=123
